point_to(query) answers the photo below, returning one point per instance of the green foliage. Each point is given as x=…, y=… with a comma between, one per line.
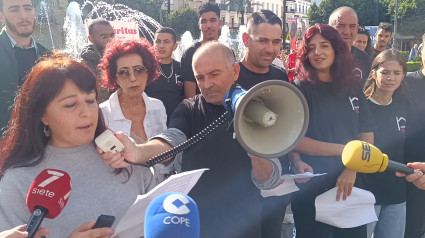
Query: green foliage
x=405, y=54
x=410, y=15
x=370, y=12
x=185, y=20
x=413, y=66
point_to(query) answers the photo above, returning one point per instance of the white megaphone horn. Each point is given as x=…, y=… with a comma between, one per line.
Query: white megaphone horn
x=270, y=119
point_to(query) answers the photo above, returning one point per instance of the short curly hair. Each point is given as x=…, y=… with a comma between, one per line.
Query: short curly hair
x=118, y=48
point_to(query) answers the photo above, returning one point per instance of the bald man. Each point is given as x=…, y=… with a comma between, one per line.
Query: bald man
x=228, y=200
x=345, y=21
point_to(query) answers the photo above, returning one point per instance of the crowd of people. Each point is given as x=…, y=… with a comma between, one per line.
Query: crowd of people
x=53, y=107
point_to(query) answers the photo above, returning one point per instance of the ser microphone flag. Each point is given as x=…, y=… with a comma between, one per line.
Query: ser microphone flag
x=172, y=215
x=47, y=197
x=366, y=158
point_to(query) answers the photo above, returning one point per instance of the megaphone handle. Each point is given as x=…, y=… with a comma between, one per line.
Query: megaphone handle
x=399, y=167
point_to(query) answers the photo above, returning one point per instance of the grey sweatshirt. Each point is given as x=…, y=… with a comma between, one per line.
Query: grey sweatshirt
x=96, y=190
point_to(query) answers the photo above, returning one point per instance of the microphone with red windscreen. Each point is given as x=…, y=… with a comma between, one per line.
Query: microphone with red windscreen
x=47, y=197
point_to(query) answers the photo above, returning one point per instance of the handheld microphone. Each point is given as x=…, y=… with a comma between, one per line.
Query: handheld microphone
x=172, y=215
x=366, y=158
x=47, y=197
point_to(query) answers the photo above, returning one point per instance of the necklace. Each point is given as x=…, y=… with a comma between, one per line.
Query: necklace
x=163, y=74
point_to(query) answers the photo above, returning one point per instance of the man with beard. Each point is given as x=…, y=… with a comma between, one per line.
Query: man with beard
x=263, y=40
x=100, y=33
x=383, y=38
x=18, y=51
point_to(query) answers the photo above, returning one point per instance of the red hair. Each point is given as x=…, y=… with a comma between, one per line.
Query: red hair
x=343, y=80
x=117, y=48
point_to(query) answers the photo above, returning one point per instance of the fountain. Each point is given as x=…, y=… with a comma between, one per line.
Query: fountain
x=44, y=9
x=185, y=42
x=74, y=30
x=120, y=12
x=239, y=47
x=225, y=36
x=76, y=37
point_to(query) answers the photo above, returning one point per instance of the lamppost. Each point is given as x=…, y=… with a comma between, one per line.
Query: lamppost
x=284, y=22
x=395, y=25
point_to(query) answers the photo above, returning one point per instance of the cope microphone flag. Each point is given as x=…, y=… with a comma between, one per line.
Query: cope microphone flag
x=366, y=158
x=47, y=197
x=172, y=215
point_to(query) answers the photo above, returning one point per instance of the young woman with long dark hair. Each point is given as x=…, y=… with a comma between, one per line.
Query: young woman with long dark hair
x=338, y=114
x=388, y=106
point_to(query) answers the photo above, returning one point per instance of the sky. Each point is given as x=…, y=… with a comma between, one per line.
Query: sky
x=316, y=1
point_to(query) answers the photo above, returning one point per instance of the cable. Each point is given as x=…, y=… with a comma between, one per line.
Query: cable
x=188, y=143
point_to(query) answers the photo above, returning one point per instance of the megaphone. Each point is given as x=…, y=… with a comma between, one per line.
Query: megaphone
x=270, y=119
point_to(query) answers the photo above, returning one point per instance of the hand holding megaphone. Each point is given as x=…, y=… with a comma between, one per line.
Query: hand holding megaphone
x=366, y=158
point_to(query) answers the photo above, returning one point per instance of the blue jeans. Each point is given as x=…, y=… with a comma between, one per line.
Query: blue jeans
x=391, y=221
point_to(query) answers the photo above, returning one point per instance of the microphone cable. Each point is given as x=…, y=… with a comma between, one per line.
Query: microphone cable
x=186, y=144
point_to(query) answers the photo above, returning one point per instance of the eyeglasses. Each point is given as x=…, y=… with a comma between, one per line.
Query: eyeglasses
x=105, y=36
x=137, y=71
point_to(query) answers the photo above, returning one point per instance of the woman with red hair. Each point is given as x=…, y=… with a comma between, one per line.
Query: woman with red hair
x=338, y=114
x=128, y=67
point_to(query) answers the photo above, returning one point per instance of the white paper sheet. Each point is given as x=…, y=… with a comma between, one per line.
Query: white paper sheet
x=358, y=209
x=131, y=224
x=303, y=175
x=288, y=186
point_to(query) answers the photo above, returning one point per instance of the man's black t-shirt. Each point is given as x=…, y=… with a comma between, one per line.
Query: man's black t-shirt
x=228, y=201
x=333, y=119
x=168, y=87
x=389, y=133
x=414, y=87
x=363, y=64
x=186, y=65
x=248, y=79
x=273, y=207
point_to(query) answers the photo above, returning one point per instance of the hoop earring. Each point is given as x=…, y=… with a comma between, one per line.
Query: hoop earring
x=46, y=130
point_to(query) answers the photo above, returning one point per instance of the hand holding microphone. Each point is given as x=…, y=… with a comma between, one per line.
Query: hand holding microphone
x=366, y=158
x=19, y=232
x=418, y=177
x=47, y=197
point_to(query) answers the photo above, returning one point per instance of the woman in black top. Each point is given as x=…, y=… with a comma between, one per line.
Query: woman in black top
x=338, y=114
x=388, y=107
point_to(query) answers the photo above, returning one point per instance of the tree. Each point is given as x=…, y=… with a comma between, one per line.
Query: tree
x=185, y=20
x=411, y=19
x=369, y=12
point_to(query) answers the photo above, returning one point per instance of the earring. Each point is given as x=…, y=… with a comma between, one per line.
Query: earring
x=46, y=130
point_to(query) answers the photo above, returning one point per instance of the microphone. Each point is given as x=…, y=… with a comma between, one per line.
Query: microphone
x=366, y=158
x=172, y=215
x=47, y=197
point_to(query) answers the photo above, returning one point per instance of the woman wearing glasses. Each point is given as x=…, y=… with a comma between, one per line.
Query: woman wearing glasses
x=127, y=67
